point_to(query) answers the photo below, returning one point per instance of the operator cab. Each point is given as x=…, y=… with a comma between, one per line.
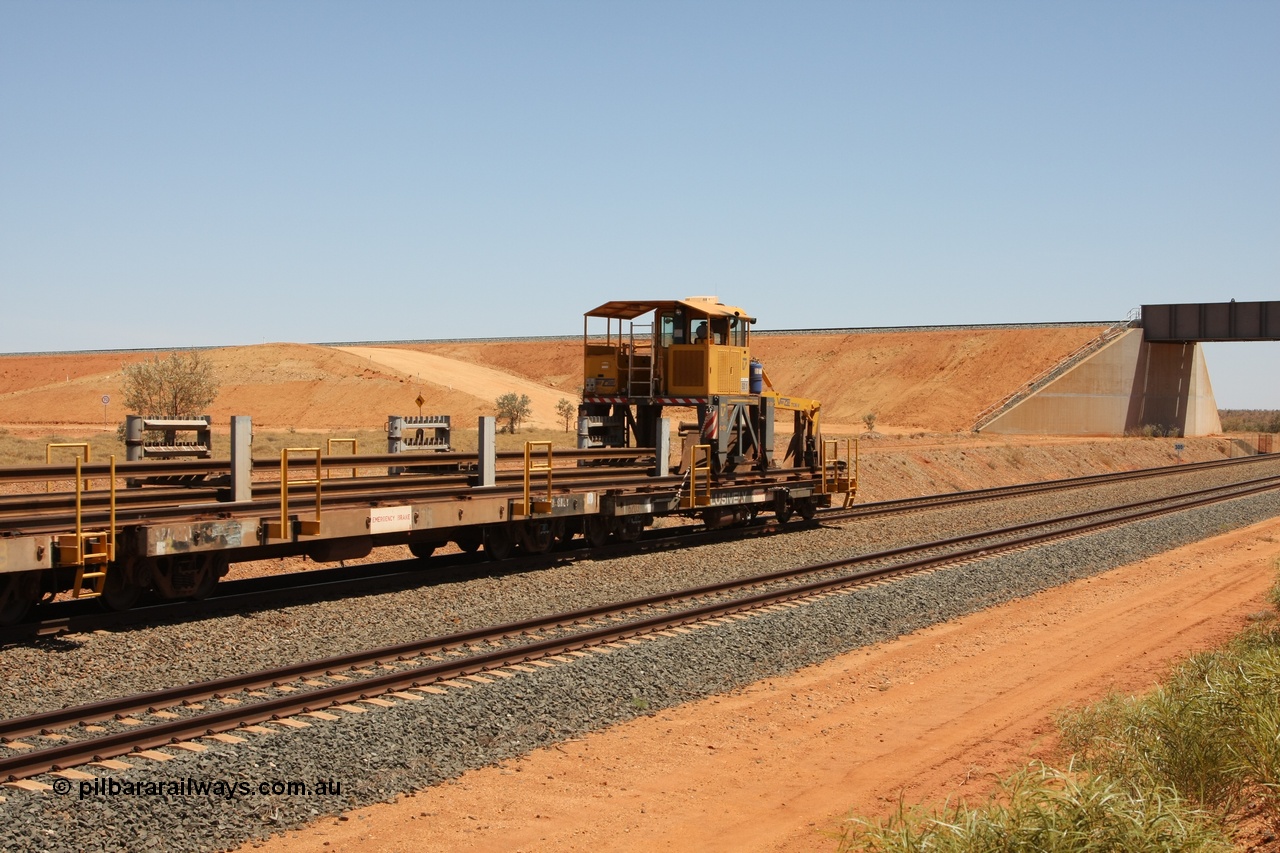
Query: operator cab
x=692, y=347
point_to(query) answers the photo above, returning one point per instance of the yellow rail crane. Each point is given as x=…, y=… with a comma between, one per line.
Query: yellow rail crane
x=695, y=354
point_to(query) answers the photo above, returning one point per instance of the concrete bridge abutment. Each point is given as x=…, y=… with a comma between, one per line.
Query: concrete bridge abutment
x=1128, y=387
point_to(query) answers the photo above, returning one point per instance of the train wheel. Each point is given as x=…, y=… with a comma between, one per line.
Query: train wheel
x=717, y=517
x=470, y=541
x=537, y=537
x=18, y=592
x=562, y=531
x=629, y=528
x=121, y=591
x=210, y=570
x=499, y=541
x=782, y=509
x=422, y=550
x=595, y=529
x=186, y=575
x=807, y=508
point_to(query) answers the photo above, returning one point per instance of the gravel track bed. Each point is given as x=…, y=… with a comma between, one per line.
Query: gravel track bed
x=376, y=755
x=89, y=667
x=514, y=642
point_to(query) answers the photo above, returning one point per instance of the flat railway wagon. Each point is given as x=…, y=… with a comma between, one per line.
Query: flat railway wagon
x=173, y=526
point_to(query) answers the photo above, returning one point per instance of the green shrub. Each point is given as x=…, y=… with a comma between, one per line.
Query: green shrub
x=1249, y=420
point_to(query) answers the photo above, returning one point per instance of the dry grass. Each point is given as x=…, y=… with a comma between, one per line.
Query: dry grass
x=1048, y=811
x=15, y=450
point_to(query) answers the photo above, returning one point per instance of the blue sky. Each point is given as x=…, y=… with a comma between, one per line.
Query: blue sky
x=206, y=173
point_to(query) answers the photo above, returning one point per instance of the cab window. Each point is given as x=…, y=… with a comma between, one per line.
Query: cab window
x=737, y=332
x=666, y=330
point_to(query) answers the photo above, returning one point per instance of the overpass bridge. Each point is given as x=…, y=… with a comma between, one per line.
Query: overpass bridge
x=1197, y=322
x=1147, y=376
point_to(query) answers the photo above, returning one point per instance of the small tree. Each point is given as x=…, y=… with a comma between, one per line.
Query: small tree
x=178, y=387
x=565, y=410
x=513, y=409
x=870, y=420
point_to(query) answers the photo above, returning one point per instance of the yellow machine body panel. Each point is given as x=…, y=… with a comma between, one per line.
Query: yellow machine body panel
x=600, y=368
x=691, y=347
x=697, y=370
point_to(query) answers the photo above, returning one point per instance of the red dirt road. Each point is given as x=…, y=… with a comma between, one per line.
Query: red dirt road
x=773, y=767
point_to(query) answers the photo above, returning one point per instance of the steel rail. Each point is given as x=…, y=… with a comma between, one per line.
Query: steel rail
x=17, y=508
x=361, y=491
x=411, y=479
x=339, y=492
x=149, y=504
x=98, y=470
x=1019, y=489
x=406, y=477
x=63, y=755
x=189, y=467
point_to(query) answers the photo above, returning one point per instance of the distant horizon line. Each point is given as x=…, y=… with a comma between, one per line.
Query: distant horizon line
x=854, y=330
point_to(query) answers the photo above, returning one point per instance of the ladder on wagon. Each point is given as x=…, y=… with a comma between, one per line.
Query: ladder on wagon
x=640, y=361
x=90, y=552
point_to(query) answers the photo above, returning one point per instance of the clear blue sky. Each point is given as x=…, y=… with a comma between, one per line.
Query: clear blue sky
x=205, y=173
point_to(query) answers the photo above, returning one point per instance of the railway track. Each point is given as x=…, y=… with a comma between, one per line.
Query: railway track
x=257, y=593
x=1020, y=489
x=249, y=700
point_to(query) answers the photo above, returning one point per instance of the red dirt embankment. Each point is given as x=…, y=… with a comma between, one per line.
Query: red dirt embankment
x=936, y=381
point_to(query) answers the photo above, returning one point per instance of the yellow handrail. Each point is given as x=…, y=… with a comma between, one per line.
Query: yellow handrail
x=532, y=466
x=111, y=512
x=832, y=480
x=704, y=451
x=96, y=547
x=108, y=552
x=48, y=458
x=355, y=450
x=79, y=529
x=280, y=529
x=111, y=532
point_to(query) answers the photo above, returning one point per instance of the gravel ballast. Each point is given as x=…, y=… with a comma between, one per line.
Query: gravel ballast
x=89, y=667
x=375, y=755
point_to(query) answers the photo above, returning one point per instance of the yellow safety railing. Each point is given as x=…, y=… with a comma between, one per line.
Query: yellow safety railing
x=48, y=458
x=90, y=548
x=534, y=466
x=834, y=478
x=699, y=462
x=281, y=529
x=355, y=450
